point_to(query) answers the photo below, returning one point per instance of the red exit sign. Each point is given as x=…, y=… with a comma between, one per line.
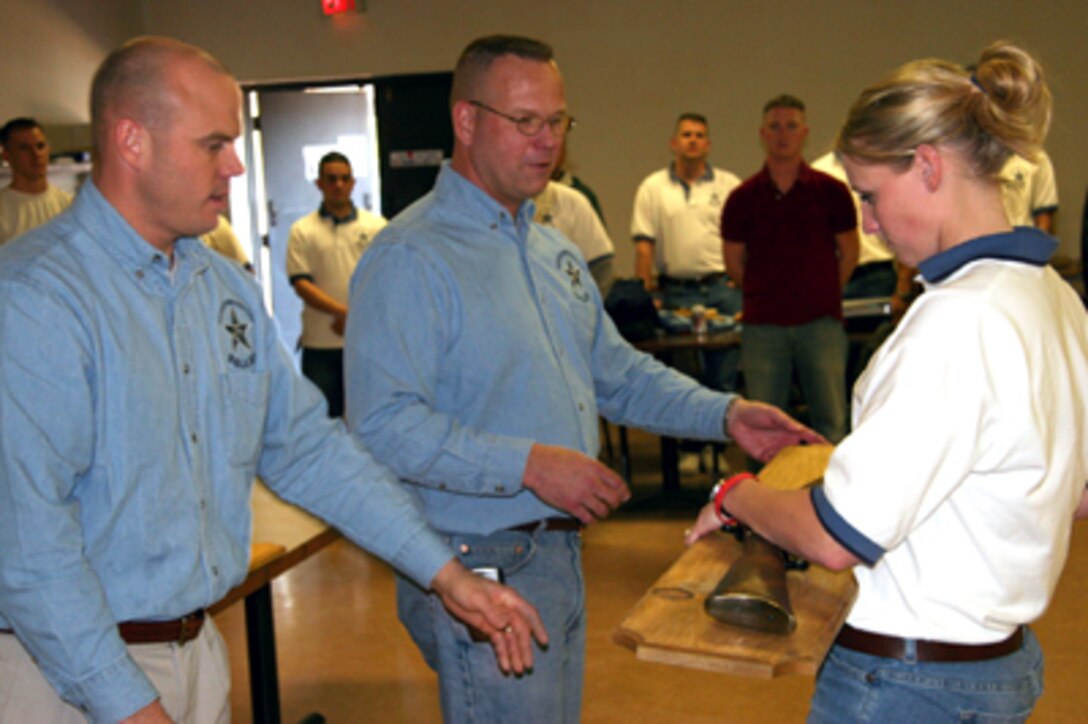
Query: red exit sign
x=335, y=7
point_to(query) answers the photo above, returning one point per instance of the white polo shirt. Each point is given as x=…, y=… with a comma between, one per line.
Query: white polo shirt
x=683, y=221
x=326, y=252
x=20, y=211
x=958, y=486
x=1028, y=188
x=568, y=210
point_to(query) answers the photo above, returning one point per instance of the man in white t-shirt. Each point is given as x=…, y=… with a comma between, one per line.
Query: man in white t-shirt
x=675, y=230
x=30, y=200
x=322, y=251
x=570, y=211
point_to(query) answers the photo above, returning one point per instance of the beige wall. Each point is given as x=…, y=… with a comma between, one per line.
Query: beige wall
x=630, y=66
x=49, y=50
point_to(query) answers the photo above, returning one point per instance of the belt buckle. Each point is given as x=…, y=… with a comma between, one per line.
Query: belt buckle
x=188, y=628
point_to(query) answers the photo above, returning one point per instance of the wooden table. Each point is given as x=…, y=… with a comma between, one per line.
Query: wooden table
x=663, y=347
x=669, y=624
x=283, y=536
x=668, y=343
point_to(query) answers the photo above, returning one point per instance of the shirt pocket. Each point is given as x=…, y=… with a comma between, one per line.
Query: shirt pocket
x=246, y=399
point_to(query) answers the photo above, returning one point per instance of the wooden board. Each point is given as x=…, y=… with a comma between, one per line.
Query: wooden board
x=669, y=625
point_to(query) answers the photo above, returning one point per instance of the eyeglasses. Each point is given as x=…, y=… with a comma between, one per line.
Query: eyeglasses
x=558, y=125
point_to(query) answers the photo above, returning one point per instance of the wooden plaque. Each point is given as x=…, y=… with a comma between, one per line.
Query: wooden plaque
x=669, y=625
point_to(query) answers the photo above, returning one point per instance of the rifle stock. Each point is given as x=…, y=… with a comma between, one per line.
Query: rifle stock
x=752, y=593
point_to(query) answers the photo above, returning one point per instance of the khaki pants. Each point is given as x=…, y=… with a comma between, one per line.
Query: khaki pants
x=193, y=682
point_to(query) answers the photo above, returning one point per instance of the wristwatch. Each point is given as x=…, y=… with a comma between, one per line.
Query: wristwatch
x=719, y=491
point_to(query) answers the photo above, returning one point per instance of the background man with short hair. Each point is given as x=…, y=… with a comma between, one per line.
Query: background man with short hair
x=29, y=200
x=791, y=242
x=322, y=251
x=675, y=229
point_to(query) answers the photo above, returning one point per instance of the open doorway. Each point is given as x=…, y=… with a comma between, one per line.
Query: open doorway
x=395, y=130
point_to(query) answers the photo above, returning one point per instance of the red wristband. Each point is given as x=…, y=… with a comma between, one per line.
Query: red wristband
x=722, y=489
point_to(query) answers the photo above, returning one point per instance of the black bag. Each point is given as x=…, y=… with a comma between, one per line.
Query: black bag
x=632, y=309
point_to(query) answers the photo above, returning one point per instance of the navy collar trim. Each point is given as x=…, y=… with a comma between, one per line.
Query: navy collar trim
x=337, y=220
x=708, y=175
x=1023, y=244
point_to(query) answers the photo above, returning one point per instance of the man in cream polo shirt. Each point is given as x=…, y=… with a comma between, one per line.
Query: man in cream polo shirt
x=322, y=252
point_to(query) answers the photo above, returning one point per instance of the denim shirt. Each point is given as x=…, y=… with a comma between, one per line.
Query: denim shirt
x=481, y=334
x=137, y=403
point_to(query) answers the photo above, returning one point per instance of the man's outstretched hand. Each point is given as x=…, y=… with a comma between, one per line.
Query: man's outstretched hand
x=498, y=612
x=763, y=430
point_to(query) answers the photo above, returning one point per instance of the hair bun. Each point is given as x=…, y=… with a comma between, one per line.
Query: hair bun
x=1019, y=105
x=1000, y=109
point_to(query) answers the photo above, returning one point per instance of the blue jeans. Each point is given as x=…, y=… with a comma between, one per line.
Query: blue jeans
x=546, y=569
x=817, y=351
x=719, y=366
x=857, y=687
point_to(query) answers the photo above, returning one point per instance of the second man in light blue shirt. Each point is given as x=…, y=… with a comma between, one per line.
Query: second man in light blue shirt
x=478, y=373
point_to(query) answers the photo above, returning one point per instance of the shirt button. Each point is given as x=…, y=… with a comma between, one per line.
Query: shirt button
x=581, y=407
x=215, y=570
x=203, y=504
x=185, y=368
x=193, y=438
x=139, y=273
x=500, y=489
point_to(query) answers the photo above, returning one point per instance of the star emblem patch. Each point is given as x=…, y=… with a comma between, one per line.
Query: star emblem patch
x=237, y=327
x=569, y=266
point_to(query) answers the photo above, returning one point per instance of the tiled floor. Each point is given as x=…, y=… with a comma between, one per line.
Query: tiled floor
x=343, y=653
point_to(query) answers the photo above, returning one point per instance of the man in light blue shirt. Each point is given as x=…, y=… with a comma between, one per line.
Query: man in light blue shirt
x=480, y=368
x=142, y=388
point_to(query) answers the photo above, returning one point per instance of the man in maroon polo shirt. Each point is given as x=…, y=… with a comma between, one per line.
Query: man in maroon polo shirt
x=790, y=240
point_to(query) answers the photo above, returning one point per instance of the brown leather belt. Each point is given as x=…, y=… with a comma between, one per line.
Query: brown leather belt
x=179, y=631
x=550, y=524
x=892, y=647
